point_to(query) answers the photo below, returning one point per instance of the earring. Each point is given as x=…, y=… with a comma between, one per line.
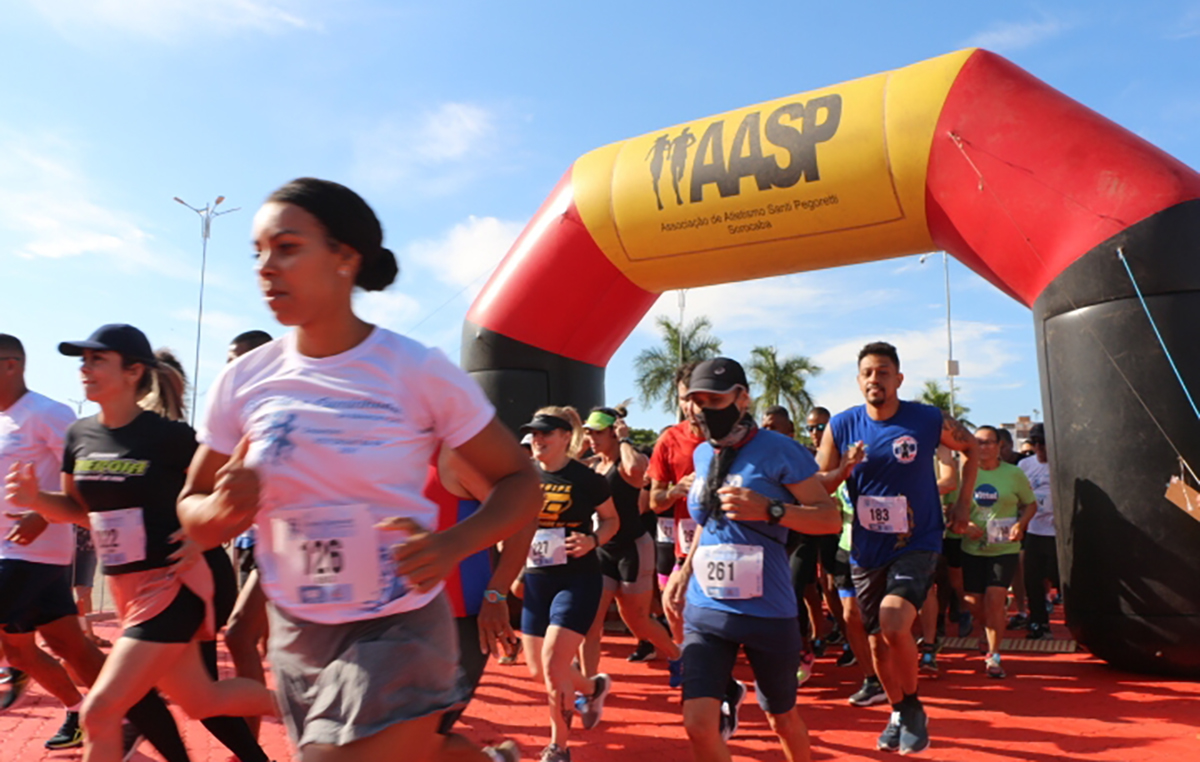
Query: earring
x=344, y=272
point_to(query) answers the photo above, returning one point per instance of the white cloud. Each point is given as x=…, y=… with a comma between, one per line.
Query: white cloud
x=432, y=154
x=467, y=253
x=49, y=209
x=391, y=309
x=1005, y=36
x=981, y=349
x=768, y=303
x=167, y=20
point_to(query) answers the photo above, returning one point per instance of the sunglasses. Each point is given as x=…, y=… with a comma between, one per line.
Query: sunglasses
x=816, y=426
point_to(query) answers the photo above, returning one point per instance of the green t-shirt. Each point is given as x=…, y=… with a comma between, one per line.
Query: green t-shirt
x=999, y=495
x=948, y=501
x=843, y=498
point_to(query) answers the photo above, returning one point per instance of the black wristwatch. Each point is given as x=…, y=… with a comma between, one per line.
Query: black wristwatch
x=629, y=442
x=776, y=510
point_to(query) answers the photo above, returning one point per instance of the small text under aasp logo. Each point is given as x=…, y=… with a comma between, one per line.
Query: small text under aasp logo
x=904, y=448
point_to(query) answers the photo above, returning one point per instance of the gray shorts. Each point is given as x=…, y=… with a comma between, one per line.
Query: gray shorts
x=340, y=683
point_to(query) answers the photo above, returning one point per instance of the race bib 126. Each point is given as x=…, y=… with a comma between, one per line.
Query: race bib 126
x=327, y=554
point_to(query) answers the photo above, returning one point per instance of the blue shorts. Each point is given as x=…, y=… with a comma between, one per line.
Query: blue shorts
x=564, y=599
x=33, y=595
x=710, y=648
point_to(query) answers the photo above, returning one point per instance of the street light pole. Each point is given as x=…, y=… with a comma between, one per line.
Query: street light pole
x=951, y=363
x=207, y=215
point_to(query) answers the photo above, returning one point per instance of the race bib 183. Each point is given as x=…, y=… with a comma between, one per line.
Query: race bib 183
x=888, y=515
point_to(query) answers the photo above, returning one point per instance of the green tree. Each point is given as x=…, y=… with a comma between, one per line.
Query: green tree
x=655, y=367
x=933, y=394
x=781, y=380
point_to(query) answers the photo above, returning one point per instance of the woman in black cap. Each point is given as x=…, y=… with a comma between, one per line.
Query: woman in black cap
x=122, y=471
x=563, y=583
x=322, y=439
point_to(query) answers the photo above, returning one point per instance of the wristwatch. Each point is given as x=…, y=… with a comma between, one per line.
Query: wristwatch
x=494, y=596
x=776, y=510
x=629, y=442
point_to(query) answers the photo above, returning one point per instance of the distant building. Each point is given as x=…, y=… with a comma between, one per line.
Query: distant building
x=1020, y=429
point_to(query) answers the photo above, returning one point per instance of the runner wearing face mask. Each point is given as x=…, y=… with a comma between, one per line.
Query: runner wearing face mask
x=735, y=588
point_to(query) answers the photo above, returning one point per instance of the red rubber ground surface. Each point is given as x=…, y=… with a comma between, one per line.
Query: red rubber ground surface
x=1051, y=707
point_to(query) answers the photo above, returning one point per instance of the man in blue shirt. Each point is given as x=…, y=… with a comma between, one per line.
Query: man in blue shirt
x=751, y=486
x=882, y=451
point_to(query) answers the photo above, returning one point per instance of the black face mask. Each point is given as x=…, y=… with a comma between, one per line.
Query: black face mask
x=719, y=422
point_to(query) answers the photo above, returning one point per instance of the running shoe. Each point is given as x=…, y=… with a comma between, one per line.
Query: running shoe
x=644, y=652
x=806, y=668
x=870, y=694
x=1037, y=631
x=730, y=708
x=927, y=661
x=510, y=654
x=555, y=753
x=675, y=669
x=847, y=659
x=505, y=751
x=5, y=675
x=835, y=637
x=965, y=624
x=69, y=736
x=914, y=731
x=889, y=739
x=593, y=706
x=1018, y=622
x=17, y=682
x=131, y=739
x=818, y=647
x=993, y=668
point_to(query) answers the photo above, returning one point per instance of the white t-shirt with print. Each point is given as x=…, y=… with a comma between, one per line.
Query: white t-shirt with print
x=344, y=441
x=1038, y=473
x=32, y=431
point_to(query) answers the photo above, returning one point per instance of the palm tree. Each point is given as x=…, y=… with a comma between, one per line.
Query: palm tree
x=781, y=379
x=933, y=394
x=655, y=367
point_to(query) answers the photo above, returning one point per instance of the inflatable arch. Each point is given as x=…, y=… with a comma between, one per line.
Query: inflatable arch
x=966, y=153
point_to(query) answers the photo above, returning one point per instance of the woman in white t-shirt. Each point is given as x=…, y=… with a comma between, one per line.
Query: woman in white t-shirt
x=322, y=439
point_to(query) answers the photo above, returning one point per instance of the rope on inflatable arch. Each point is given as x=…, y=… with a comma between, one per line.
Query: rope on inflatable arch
x=1137, y=289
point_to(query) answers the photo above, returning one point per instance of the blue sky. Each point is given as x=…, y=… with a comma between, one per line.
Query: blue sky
x=455, y=119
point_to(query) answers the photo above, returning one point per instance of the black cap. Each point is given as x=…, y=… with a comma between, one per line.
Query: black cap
x=717, y=376
x=1037, y=434
x=131, y=343
x=544, y=423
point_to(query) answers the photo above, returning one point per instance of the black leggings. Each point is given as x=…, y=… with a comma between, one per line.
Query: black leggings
x=233, y=732
x=1041, y=564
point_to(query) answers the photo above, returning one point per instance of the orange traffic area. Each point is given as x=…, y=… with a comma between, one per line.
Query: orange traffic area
x=1051, y=707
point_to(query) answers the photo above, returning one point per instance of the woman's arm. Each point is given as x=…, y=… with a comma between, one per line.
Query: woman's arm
x=513, y=503
x=220, y=496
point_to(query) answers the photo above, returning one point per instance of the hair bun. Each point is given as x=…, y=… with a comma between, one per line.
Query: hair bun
x=378, y=272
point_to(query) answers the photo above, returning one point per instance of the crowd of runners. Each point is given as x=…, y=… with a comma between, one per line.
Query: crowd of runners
x=377, y=513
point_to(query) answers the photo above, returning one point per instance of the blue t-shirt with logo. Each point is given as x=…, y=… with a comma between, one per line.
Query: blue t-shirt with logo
x=764, y=464
x=899, y=461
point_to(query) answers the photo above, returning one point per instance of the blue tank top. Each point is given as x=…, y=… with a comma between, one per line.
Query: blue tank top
x=899, y=461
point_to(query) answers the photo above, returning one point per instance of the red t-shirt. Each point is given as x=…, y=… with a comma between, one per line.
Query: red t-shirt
x=671, y=461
